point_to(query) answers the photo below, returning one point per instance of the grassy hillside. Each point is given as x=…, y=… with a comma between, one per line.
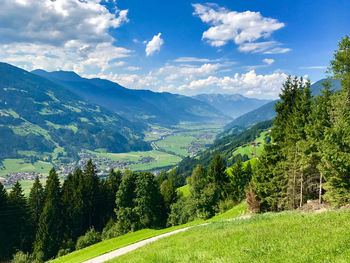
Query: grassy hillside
x=282, y=237
x=228, y=147
x=125, y=240
x=42, y=120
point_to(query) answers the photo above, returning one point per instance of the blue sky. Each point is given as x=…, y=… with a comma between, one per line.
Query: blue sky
x=245, y=47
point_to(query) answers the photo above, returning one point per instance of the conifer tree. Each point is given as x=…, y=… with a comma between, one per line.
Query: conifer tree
x=336, y=148
x=49, y=234
x=5, y=212
x=217, y=175
x=238, y=181
x=36, y=201
x=19, y=221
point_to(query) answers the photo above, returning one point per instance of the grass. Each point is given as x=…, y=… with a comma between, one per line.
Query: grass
x=115, y=243
x=20, y=165
x=184, y=190
x=125, y=240
x=249, y=149
x=161, y=159
x=274, y=237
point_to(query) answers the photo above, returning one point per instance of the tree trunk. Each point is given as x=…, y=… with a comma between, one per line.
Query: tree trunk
x=301, y=189
x=320, y=192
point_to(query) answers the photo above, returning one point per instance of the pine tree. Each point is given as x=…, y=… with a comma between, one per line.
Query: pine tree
x=92, y=194
x=238, y=181
x=49, y=234
x=19, y=222
x=5, y=213
x=36, y=201
x=217, y=175
x=336, y=146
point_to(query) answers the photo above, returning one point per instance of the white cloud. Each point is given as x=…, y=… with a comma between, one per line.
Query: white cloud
x=172, y=72
x=241, y=28
x=61, y=34
x=132, y=68
x=268, y=61
x=194, y=59
x=154, y=45
x=250, y=83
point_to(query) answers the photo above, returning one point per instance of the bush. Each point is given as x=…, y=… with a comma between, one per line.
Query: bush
x=226, y=204
x=21, y=257
x=181, y=212
x=111, y=230
x=91, y=237
x=252, y=201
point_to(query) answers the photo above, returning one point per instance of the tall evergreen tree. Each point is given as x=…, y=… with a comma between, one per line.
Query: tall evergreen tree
x=49, y=234
x=336, y=153
x=19, y=222
x=5, y=213
x=217, y=175
x=92, y=194
x=36, y=201
x=238, y=181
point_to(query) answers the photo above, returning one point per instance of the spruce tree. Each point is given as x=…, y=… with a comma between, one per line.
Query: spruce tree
x=36, y=201
x=336, y=153
x=5, y=213
x=19, y=224
x=49, y=235
x=217, y=175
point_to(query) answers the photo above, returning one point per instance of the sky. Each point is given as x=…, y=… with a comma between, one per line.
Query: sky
x=184, y=47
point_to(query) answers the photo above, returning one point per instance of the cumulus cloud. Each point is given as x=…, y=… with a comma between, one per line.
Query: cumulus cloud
x=240, y=27
x=250, y=84
x=187, y=71
x=154, y=45
x=61, y=34
x=268, y=61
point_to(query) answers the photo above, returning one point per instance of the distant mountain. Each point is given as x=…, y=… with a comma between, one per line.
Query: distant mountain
x=232, y=105
x=39, y=118
x=154, y=107
x=267, y=111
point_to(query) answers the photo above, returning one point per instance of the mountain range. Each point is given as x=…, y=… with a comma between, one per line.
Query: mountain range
x=42, y=119
x=160, y=108
x=232, y=105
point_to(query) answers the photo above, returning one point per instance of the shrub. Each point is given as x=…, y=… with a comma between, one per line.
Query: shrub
x=91, y=237
x=21, y=257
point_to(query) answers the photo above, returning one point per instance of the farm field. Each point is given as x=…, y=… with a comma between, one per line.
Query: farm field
x=271, y=237
x=20, y=165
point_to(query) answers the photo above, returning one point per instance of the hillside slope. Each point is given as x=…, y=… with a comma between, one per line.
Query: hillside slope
x=39, y=118
x=267, y=111
x=280, y=237
x=232, y=105
x=226, y=146
x=158, y=108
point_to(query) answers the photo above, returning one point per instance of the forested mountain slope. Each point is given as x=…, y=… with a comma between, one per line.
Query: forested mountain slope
x=154, y=107
x=232, y=105
x=225, y=146
x=267, y=111
x=39, y=118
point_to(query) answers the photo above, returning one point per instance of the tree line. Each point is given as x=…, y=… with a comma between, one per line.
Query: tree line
x=309, y=157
